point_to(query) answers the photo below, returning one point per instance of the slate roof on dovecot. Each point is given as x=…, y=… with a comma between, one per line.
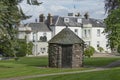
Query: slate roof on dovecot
x=66, y=36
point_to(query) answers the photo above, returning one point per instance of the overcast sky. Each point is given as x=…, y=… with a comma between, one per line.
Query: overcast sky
x=63, y=7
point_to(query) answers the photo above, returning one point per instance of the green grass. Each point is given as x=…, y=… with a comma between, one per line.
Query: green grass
x=113, y=74
x=99, y=61
x=29, y=66
x=38, y=65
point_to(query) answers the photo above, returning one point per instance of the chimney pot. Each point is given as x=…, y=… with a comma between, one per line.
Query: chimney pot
x=49, y=19
x=86, y=15
x=41, y=18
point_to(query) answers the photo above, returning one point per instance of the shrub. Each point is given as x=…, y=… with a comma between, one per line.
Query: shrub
x=100, y=49
x=89, y=51
x=24, y=48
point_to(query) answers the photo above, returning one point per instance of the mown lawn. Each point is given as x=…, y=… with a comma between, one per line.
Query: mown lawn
x=99, y=61
x=38, y=65
x=29, y=66
x=113, y=74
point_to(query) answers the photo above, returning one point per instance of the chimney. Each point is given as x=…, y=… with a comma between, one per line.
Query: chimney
x=86, y=15
x=41, y=18
x=49, y=19
x=78, y=15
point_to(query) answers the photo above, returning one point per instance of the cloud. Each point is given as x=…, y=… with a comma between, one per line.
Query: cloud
x=62, y=7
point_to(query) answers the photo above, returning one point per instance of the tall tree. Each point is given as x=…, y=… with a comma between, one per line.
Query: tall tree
x=111, y=5
x=10, y=16
x=113, y=23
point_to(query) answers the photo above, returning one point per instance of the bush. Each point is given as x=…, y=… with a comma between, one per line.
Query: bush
x=21, y=49
x=24, y=48
x=100, y=49
x=89, y=51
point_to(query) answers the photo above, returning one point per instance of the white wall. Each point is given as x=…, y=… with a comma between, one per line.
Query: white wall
x=37, y=36
x=40, y=48
x=21, y=35
x=102, y=38
x=60, y=28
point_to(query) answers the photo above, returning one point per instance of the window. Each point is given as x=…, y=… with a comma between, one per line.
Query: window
x=42, y=50
x=33, y=37
x=85, y=33
x=89, y=33
x=43, y=38
x=98, y=32
x=79, y=20
x=66, y=19
x=98, y=44
x=76, y=31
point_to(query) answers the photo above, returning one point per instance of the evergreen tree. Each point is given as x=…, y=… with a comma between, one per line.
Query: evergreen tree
x=10, y=16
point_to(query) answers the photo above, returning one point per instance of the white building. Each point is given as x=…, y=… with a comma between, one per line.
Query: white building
x=90, y=30
x=38, y=33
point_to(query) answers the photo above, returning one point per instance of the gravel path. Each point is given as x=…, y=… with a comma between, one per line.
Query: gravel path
x=113, y=64
x=53, y=74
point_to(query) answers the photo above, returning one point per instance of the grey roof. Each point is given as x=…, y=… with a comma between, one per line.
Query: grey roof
x=94, y=22
x=66, y=36
x=39, y=27
x=72, y=22
x=59, y=21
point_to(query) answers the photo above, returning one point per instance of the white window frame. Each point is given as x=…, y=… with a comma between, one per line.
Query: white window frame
x=98, y=32
x=66, y=19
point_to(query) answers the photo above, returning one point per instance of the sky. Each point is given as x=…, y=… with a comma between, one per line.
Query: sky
x=95, y=8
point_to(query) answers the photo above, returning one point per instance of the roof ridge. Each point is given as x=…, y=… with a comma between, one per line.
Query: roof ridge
x=57, y=21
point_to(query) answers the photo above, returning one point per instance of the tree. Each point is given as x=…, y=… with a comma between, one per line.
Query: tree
x=24, y=48
x=113, y=23
x=89, y=51
x=111, y=5
x=10, y=16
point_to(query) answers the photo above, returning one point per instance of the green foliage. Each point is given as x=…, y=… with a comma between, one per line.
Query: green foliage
x=23, y=48
x=100, y=49
x=113, y=28
x=89, y=51
x=113, y=23
x=29, y=48
x=118, y=49
x=10, y=16
x=111, y=5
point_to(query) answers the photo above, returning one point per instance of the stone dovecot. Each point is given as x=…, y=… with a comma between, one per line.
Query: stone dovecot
x=66, y=50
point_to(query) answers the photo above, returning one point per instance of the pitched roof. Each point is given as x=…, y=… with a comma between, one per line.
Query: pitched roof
x=39, y=27
x=72, y=22
x=66, y=36
x=94, y=22
x=59, y=21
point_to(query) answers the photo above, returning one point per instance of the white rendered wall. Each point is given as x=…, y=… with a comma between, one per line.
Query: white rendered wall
x=102, y=39
x=37, y=35
x=40, y=48
x=59, y=28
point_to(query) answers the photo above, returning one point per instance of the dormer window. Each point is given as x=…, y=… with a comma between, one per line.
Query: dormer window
x=79, y=20
x=66, y=19
x=98, y=22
